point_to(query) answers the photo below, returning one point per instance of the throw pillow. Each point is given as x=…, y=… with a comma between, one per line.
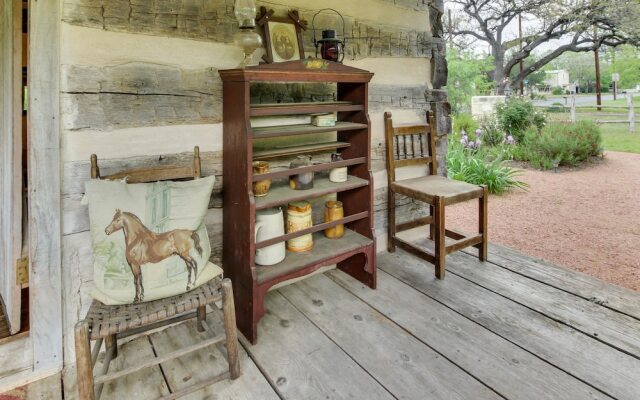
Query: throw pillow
x=149, y=239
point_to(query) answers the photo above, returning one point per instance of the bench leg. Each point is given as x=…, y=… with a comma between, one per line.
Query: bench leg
x=440, y=253
x=228, y=310
x=483, y=224
x=201, y=314
x=83, y=361
x=391, y=223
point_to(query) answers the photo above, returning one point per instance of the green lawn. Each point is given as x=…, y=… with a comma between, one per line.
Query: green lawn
x=615, y=137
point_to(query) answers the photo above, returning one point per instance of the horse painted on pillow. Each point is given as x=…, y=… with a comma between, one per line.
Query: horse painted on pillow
x=145, y=246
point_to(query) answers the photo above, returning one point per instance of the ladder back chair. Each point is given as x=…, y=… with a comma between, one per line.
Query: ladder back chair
x=108, y=324
x=405, y=146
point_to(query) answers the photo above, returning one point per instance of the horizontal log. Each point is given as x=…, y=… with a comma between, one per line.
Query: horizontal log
x=213, y=20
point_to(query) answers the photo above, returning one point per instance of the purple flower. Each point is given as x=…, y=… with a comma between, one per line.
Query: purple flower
x=471, y=145
x=478, y=132
x=510, y=140
x=464, y=141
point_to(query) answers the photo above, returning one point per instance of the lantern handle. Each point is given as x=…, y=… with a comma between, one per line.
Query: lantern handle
x=313, y=27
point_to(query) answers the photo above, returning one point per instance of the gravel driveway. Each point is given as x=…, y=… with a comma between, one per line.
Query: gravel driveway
x=587, y=219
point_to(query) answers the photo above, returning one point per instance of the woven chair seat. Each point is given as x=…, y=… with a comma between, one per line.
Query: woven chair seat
x=105, y=320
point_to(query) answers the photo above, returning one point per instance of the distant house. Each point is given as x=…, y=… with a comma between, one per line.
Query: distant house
x=558, y=78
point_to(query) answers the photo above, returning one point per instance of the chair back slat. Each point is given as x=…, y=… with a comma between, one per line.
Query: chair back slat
x=152, y=174
x=400, y=153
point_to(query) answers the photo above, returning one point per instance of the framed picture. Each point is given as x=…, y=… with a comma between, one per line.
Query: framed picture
x=282, y=36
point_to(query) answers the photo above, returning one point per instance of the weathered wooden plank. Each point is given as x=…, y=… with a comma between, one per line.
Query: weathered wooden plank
x=44, y=185
x=618, y=330
x=508, y=369
x=302, y=363
x=588, y=359
x=405, y=366
x=10, y=159
x=138, y=94
x=46, y=389
x=589, y=288
x=203, y=365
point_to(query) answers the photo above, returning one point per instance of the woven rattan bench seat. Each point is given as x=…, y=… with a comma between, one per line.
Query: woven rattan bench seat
x=107, y=320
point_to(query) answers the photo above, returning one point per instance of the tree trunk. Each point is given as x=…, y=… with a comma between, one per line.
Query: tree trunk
x=498, y=71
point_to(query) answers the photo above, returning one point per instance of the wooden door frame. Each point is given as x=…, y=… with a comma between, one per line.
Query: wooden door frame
x=41, y=350
x=11, y=158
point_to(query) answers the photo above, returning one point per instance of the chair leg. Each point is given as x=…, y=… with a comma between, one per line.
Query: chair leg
x=391, y=223
x=201, y=313
x=83, y=361
x=483, y=223
x=440, y=250
x=109, y=342
x=228, y=309
x=432, y=225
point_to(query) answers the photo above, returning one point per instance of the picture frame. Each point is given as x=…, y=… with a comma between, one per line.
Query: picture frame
x=282, y=36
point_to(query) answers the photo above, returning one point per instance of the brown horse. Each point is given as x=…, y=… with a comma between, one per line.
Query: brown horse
x=144, y=246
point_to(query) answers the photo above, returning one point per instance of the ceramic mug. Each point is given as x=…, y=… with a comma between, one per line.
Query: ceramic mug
x=261, y=188
x=269, y=224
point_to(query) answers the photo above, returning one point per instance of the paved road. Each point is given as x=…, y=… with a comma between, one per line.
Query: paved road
x=580, y=100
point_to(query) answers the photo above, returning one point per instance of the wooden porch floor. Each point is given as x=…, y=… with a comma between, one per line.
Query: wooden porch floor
x=510, y=328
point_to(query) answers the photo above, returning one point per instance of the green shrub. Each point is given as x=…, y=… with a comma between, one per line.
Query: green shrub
x=492, y=134
x=517, y=115
x=470, y=166
x=557, y=91
x=464, y=122
x=556, y=107
x=562, y=144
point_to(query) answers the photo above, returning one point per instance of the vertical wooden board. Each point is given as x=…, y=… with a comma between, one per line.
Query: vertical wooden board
x=624, y=300
x=592, y=361
x=405, y=366
x=501, y=365
x=44, y=184
x=204, y=364
x=10, y=160
x=148, y=383
x=302, y=362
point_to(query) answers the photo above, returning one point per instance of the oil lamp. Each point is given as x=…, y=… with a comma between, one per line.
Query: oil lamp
x=247, y=38
x=331, y=46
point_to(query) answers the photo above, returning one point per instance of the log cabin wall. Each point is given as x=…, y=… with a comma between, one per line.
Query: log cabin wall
x=140, y=85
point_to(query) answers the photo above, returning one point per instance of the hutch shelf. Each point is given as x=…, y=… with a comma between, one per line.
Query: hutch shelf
x=355, y=252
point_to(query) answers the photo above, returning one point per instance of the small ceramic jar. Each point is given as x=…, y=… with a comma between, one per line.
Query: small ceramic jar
x=333, y=211
x=337, y=174
x=299, y=218
x=261, y=188
x=301, y=181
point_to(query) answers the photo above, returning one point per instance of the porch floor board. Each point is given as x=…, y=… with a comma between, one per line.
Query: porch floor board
x=510, y=328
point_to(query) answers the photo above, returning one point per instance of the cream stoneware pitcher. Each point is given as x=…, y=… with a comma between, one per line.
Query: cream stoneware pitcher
x=269, y=224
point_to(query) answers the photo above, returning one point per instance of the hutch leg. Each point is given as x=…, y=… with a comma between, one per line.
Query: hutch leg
x=249, y=309
x=391, y=213
x=83, y=361
x=483, y=223
x=109, y=342
x=357, y=265
x=440, y=253
x=230, y=329
x=201, y=316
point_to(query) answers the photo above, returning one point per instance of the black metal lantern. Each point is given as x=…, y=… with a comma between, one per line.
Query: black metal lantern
x=331, y=46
